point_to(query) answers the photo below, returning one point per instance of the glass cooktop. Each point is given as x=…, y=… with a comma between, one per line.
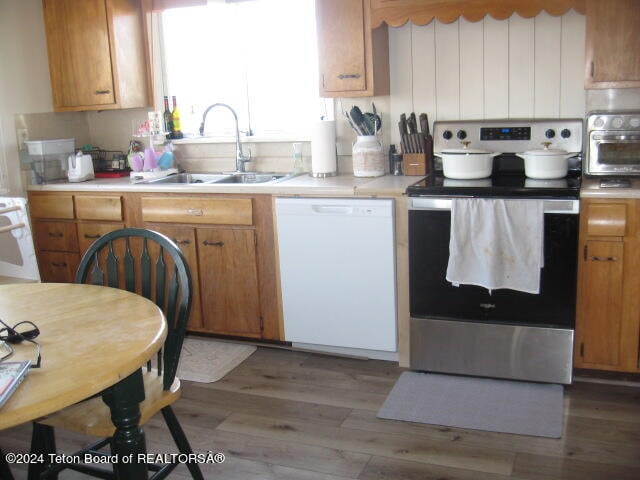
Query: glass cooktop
x=498, y=185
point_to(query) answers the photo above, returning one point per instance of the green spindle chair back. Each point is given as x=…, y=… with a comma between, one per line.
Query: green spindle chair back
x=150, y=264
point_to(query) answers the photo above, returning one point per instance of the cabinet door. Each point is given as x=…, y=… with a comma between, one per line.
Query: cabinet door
x=601, y=305
x=229, y=281
x=185, y=238
x=79, y=52
x=90, y=232
x=56, y=236
x=341, y=45
x=612, y=44
x=58, y=266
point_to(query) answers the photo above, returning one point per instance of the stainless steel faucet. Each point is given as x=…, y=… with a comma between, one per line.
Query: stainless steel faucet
x=241, y=158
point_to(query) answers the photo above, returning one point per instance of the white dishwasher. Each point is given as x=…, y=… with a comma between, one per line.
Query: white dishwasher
x=337, y=274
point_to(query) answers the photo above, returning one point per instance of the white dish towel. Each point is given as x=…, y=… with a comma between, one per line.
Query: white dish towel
x=496, y=243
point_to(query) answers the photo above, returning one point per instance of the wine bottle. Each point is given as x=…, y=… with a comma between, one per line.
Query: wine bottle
x=168, y=119
x=175, y=116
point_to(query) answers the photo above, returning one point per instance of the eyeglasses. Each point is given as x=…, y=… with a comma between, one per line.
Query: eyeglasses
x=25, y=331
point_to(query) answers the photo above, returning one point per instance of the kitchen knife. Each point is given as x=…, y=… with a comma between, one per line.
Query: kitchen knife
x=414, y=136
x=424, y=123
x=404, y=134
x=411, y=123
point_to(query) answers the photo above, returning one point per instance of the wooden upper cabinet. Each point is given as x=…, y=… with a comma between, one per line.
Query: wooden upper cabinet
x=97, y=54
x=612, y=44
x=353, y=58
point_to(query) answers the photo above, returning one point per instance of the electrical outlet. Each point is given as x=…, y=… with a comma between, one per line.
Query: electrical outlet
x=23, y=136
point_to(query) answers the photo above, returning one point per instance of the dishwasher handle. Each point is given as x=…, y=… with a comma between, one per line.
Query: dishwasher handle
x=332, y=209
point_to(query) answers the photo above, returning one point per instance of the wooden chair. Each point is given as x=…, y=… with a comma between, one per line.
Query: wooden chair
x=148, y=263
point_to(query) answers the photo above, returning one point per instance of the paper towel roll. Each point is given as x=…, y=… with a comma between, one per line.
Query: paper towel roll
x=323, y=149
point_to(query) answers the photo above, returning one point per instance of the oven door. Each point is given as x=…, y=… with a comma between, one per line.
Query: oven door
x=614, y=153
x=503, y=333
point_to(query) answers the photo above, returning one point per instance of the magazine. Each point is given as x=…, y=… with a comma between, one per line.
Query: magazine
x=11, y=374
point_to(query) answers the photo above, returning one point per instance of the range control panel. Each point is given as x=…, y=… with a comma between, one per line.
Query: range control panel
x=509, y=136
x=505, y=133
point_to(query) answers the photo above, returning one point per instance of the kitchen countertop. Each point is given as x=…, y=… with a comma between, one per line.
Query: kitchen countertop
x=591, y=189
x=344, y=184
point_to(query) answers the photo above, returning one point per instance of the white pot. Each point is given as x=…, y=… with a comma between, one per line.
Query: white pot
x=546, y=163
x=466, y=163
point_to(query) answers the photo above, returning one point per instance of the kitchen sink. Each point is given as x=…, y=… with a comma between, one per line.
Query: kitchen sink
x=240, y=178
x=189, y=178
x=251, y=177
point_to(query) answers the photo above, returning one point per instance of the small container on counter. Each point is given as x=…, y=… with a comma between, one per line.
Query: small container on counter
x=396, y=159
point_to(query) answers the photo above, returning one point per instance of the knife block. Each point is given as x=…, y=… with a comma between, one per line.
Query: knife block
x=417, y=163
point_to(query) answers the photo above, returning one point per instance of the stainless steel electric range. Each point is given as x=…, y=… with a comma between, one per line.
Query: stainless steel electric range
x=502, y=333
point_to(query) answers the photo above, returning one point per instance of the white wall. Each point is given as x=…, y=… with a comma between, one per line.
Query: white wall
x=489, y=69
x=24, y=76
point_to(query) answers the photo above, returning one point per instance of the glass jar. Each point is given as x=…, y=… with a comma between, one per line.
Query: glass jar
x=368, y=157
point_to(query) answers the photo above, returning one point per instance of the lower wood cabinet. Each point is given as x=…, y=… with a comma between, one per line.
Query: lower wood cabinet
x=185, y=238
x=58, y=266
x=229, y=281
x=228, y=241
x=89, y=232
x=608, y=310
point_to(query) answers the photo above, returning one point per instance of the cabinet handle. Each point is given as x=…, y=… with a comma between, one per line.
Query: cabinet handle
x=88, y=235
x=195, y=211
x=181, y=242
x=603, y=259
x=56, y=264
x=102, y=92
x=55, y=234
x=213, y=244
x=592, y=69
x=343, y=76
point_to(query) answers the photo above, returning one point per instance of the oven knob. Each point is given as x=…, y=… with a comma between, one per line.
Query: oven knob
x=461, y=134
x=598, y=122
x=565, y=133
x=635, y=122
x=550, y=133
x=617, y=122
x=447, y=134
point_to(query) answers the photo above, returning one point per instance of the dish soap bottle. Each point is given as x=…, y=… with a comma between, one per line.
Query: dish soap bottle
x=297, y=158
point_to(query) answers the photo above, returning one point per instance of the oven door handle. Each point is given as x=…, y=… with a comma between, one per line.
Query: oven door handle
x=550, y=206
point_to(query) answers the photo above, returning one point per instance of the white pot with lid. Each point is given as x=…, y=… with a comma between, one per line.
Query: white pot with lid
x=467, y=163
x=546, y=163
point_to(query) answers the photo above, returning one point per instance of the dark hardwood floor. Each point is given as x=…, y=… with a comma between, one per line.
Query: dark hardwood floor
x=301, y=416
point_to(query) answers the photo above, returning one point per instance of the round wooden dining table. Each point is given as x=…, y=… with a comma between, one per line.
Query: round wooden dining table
x=93, y=340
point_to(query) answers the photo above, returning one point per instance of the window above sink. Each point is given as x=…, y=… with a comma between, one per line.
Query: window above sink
x=269, y=64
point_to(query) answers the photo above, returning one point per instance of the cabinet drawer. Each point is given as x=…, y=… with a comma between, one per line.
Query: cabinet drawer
x=96, y=207
x=58, y=266
x=50, y=206
x=56, y=236
x=90, y=232
x=222, y=211
x=607, y=219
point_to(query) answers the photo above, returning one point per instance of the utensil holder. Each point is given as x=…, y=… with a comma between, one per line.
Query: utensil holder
x=368, y=157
